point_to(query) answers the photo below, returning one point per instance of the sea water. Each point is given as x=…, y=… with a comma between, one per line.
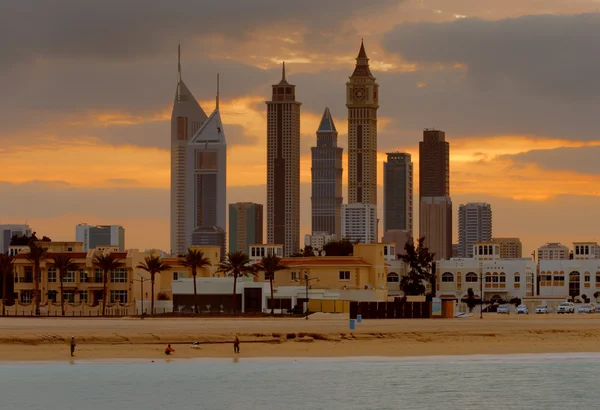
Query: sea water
x=459, y=382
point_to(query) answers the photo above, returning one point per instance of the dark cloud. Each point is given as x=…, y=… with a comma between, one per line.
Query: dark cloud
x=578, y=159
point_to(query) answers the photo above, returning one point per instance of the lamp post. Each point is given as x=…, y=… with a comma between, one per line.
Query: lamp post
x=307, y=279
x=480, y=294
x=141, y=280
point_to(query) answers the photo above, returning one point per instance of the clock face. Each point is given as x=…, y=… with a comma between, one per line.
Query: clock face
x=359, y=94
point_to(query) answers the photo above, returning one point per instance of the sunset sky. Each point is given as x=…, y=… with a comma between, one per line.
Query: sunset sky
x=86, y=92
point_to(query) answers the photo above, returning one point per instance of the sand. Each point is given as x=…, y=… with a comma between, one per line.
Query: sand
x=31, y=339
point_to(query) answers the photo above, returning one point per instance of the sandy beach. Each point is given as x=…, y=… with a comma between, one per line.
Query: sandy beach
x=31, y=339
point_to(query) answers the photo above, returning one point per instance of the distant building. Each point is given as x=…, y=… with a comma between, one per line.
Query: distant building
x=359, y=223
x=209, y=236
x=326, y=186
x=474, y=225
x=435, y=222
x=398, y=192
x=455, y=250
x=399, y=237
x=245, y=225
x=318, y=240
x=510, y=248
x=8, y=231
x=94, y=236
x=553, y=250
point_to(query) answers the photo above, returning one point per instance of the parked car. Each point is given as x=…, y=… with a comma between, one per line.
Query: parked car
x=565, y=307
x=587, y=308
x=503, y=309
x=522, y=309
x=543, y=309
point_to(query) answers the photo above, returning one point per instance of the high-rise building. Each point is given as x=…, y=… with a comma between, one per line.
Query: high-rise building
x=8, y=231
x=359, y=222
x=283, y=167
x=187, y=118
x=474, y=225
x=434, y=184
x=211, y=236
x=435, y=219
x=510, y=248
x=553, y=250
x=245, y=226
x=398, y=192
x=399, y=237
x=94, y=236
x=327, y=180
x=198, y=169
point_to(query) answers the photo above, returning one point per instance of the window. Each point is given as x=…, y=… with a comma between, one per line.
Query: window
x=52, y=275
x=471, y=277
x=587, y=277
x=98, y=276
x=118, y=275
x=118, y=296
x=344, y=275
x=206, y=160
x=447, y=277
x=83, y=296
x=83, y=276
x=69, y=296
x=295, y=276
x=69, y=277
x=393, y=278
x=502, y=278
x=26, y=296
x=517, y=278
x=28, y=274
x=182, y=128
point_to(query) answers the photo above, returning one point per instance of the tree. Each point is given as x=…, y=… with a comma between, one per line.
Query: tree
x=236, y=264
x=339, y=248
x=596, y=295
x=106, y=263
x=195, y=260
x=470, y=299
x=37, y=254
x=305, y=253
x=270, y=264
x=7, y=268
x=153, y=265
x=23, y=240
x=419, y=261
x=63, y=263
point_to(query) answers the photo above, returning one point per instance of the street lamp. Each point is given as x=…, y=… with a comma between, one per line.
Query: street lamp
x=141, y=280
x=480, y=294
x=307, y=280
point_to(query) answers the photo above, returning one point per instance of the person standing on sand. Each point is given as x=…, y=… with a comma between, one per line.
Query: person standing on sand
x=73, y=346
x=236, y=344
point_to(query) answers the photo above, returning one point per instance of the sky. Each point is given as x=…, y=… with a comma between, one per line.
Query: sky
x=86, y=92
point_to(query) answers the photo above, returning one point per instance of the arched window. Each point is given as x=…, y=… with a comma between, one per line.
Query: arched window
x=488, y=277
x=502, y=277
x=393, y=277
x=517, y=278
x=471, y=277
x=447, y=277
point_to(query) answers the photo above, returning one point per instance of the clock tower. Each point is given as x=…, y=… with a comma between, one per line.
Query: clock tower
x=362, y=100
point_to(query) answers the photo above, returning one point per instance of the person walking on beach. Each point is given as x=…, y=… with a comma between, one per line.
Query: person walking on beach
x=72, y=346
x=169, y=350
x=236, y=344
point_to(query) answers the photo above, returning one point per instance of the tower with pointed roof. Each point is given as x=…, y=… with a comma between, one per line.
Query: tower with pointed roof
x=326, y=173
x=283, y=167
x=362, y=101
x=187, y=118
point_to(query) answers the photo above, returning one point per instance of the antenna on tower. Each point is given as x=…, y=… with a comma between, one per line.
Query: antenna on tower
x=217, y=104
x=178, y=72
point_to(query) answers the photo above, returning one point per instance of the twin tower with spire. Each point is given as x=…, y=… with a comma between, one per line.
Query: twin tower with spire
x=356, y=220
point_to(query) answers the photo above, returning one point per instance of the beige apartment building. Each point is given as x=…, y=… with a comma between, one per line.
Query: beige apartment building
x=510, y=248
x=553, y=250
x=435, y=221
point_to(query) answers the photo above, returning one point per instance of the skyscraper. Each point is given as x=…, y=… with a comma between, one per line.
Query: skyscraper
x=362, y=100
x=283, y=167
x=245, y=226
x=398, y=192
x=186, y=119
x=474, y=225
x=8, y=231
x=93, y=236
x=434, y=193
x=327, y=180
x=198, y=167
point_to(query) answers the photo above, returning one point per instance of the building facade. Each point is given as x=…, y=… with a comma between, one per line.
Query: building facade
x=186, y=119
x=245, y=226
x=359, y=223
x=474, y=225
x=209, y=236
x=318, y=240
x=435, y=221
x=326, y=173
x=362, y=101
x=8, y=231
x=97, y=236
x=398, y=192
x=553, y=250
x=510, y=248
x=283, y=167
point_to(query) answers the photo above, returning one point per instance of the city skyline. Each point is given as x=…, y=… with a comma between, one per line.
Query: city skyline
x=105, y=159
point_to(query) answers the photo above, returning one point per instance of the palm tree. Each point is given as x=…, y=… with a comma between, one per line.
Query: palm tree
x=270, y=264
x=37, y=254
x=195, y=259
x=106, y=263
x=6, y=269
x=63, y=263
x=153, y=265
x=236, y=265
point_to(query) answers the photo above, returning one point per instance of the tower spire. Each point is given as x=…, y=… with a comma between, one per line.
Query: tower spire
x=283, y=73
x=178, y=72
x=217, y=103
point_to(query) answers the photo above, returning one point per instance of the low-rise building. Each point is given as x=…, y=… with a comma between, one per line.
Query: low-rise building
x=553, y=250
x=318, y=240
